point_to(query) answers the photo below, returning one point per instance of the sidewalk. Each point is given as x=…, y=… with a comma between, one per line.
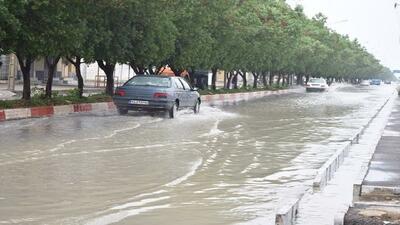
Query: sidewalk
x=376, y=201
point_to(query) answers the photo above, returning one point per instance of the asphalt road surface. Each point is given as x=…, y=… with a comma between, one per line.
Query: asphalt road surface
x=231, y=164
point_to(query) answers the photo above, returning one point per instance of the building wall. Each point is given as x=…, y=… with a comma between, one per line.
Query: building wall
x=39, y=69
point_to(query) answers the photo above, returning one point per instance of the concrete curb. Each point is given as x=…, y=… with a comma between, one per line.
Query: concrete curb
x=357, y=185
x=286, y=215
x=47, y=111
x=380, y=190
x=327, y=171
x=339, y=217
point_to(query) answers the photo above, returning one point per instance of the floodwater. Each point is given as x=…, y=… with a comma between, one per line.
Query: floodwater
x=231, y=164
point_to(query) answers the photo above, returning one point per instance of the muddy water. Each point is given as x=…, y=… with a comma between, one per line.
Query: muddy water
x=231, y=164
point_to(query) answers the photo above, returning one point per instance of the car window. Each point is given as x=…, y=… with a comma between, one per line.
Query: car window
x=317, y=81
x=178, y=84
x=149, y=81
x=185, y=84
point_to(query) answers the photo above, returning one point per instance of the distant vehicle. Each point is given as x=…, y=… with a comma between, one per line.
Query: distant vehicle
x=365, y=83
x=375, y=82
x=388, y=82
x=156, y=93
x=316, y=84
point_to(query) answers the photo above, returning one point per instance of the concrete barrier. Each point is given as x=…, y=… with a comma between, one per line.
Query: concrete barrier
x=286, y=215
x=22, y=113
x=63, y=110
x=2, y=115
x=14, y=114
x=42, y=111
x=100, y=107
x=358, y=182
x=327, y=171
x=338, y=219
x=85, y=107
x=380, y=190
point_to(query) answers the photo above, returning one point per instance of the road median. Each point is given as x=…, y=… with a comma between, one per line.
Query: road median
x=60, y=110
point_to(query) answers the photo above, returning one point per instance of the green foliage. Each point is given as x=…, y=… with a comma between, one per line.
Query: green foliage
x=38, y=100
x=253, y=36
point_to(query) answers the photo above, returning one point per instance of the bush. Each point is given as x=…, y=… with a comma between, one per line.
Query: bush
x=38, y=99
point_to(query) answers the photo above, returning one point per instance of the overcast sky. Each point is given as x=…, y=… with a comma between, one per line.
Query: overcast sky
x=375, y=23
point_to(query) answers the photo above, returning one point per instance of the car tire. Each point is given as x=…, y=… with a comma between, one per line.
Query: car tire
x=172, y=112
x=196, y=108
x=122, y=111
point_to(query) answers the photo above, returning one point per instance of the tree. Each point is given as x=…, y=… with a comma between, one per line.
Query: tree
x=193, y=41
x=112, y=26
x=153, y=36
x=27, y=41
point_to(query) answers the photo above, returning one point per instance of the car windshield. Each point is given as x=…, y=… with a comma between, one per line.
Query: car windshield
x=317, y=81
x=149, y=81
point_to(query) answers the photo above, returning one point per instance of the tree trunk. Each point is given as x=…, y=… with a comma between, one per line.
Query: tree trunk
x=278, y=82
x=191, y=77
x=77, y=65
x=176, y=71
x=244, y=79
x=264, y=77
x=299, y=79
x=52, y=65
x=307, y=78
x=235, y=80
x=138, y=69
x=108, y=69
x=255, y=79
x=271, y=78
x=214, y=79
x=25, y=65
x=229, y=80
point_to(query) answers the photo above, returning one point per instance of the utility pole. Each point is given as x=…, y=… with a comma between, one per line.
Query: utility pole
x=11, y=73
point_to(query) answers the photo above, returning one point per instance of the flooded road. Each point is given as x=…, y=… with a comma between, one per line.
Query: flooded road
x=231, y=164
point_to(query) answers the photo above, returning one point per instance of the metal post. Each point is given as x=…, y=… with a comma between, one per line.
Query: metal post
x=11, y=74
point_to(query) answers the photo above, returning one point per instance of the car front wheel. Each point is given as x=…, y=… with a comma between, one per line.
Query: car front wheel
x=173, y=111
x=196, y=108
x=122, y=111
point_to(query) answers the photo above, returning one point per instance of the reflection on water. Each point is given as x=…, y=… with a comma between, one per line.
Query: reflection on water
x=231, y=164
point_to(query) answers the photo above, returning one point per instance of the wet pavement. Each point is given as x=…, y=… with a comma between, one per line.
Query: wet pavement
x=385, y=165
x=321, y=207
x=231, y=164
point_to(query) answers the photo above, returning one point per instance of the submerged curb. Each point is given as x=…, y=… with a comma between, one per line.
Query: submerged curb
x=48, y=111
x=240, y=96
x=286, y=215
x=327, y=171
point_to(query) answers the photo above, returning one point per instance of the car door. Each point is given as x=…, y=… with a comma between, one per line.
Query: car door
x=189, y=94
x=179, y=91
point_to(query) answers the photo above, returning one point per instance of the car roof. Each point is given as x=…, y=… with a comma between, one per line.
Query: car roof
x=152, y=75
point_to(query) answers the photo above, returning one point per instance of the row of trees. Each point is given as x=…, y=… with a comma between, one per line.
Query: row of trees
x=265, y=38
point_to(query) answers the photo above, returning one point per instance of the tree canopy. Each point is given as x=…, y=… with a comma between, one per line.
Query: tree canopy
x=256, y=36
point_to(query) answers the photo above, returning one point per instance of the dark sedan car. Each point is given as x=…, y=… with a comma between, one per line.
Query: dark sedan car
x=156, y=93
